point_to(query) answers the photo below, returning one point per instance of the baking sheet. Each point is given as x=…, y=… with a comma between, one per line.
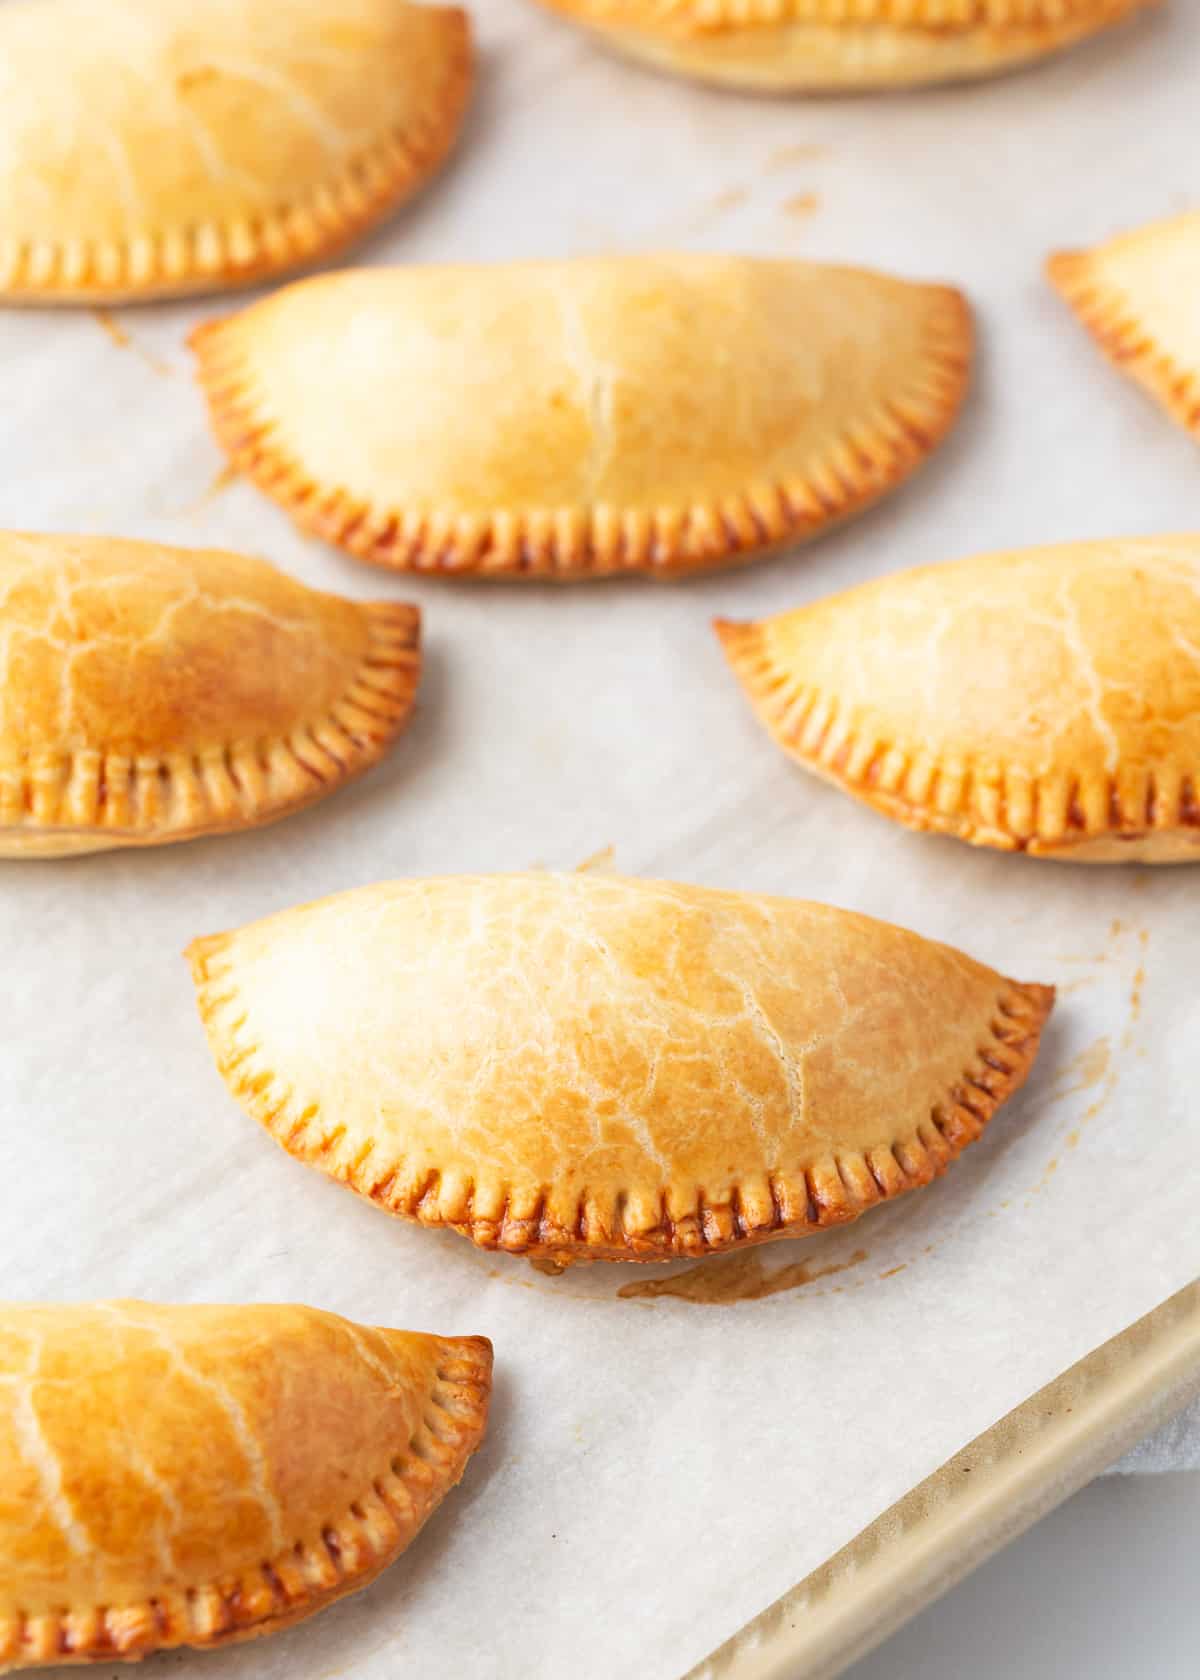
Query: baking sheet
x=999, y=1485
x=659, y=1468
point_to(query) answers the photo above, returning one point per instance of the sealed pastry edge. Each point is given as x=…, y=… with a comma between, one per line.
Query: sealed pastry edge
x=903, y=16
x=375, y=1528
x=1111, y=319
x=1073, y=819
x=72, y=803
x=881, y=452
x=811, y=54
x=173, y=262
x=792, y=1205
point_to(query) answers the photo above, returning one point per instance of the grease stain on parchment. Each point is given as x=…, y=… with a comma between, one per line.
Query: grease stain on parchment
x=1095, y=1067
x=801, y=204
x=122, y=339
x=602, y=862
x=740, y=1277
x=112, y=328
x=221, y=481
x=784, y=156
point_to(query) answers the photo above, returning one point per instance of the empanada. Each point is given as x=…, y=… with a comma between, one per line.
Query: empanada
x=151, y=694
x=563, y=419
x=585, y=1066
x=812, y=46
x=154, y=147
x=182, y=1475
x=1137, y=296
x=1046, y=700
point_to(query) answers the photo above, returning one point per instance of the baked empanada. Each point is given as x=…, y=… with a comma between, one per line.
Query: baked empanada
x=585, y=1066
x=565, y=419
x=179, y=1475
x=155, y=147
x=812, y=46
x=1137, y=296
x=1045, y=701
x=151, y=694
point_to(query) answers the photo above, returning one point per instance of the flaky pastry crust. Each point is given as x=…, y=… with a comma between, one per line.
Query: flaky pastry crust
x=813, y=46
x=653, y=415
x=1136, y=295
x=196, y=1475
x=152, y=694
x=589, y=1067
x=1046, y=700
x=154, y=149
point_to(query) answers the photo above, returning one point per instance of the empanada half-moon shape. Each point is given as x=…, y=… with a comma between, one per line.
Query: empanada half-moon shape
x=1137, y=296
x=155, y=147
x=635, y=414
x=150, y=694
x=1046, y=700
x=813, y=46
x=196, y=1475
x=587, y=1066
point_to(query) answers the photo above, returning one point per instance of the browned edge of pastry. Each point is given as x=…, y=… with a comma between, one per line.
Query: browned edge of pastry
x=1109, y=318
x=1029, y=19
x=120, y=800
x=881, y=451
x=376, y=1525
x=217, y=256
x=1062, y=816
x=781, y=1205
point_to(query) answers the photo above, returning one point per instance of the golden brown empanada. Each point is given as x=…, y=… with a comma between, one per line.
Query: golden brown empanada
x=565, y=419
x=151, y=694
x=799, y=46
x=155, y=147
x=179, y=1475
x=1045, y=701
x=1137, y=296
x=585, y=1066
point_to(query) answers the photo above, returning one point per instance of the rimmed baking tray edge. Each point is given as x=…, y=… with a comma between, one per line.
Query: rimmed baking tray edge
x=986, y=1495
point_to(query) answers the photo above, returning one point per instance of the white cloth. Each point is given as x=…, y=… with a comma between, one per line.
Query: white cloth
x=1176, y=1446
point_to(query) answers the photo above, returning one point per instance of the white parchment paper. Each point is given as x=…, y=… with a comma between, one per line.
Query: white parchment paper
x=657, y=1471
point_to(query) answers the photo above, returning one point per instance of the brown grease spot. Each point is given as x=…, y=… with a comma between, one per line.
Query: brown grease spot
x=603, y=862
x=802, y=204
x=123, y=340
x=114, y=330
x=1083, y=1071
x=786, y=155
x=741, y=1277
x=730, y=198
x=1139, y=982
x=892, y=1270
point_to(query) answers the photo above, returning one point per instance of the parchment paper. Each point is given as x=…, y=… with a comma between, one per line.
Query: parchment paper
x=657, y=1470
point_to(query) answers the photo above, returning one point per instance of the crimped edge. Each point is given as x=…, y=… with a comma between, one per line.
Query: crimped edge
x=679, y=1221
x=1141, y=810
x=353, y=1550
x=88, y=800
x=872, y=458
x=1111, y=319
x=993, y=19
x=849, y=57
x=211, y=255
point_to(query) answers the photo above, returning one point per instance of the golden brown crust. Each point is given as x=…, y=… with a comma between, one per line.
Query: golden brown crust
x=337, y=1440
x=1136, y=296
x=635, y=1155
x=816, y=46
x=150, y=694
x=626, y=404
x=1045, y=701
x=191, y=183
